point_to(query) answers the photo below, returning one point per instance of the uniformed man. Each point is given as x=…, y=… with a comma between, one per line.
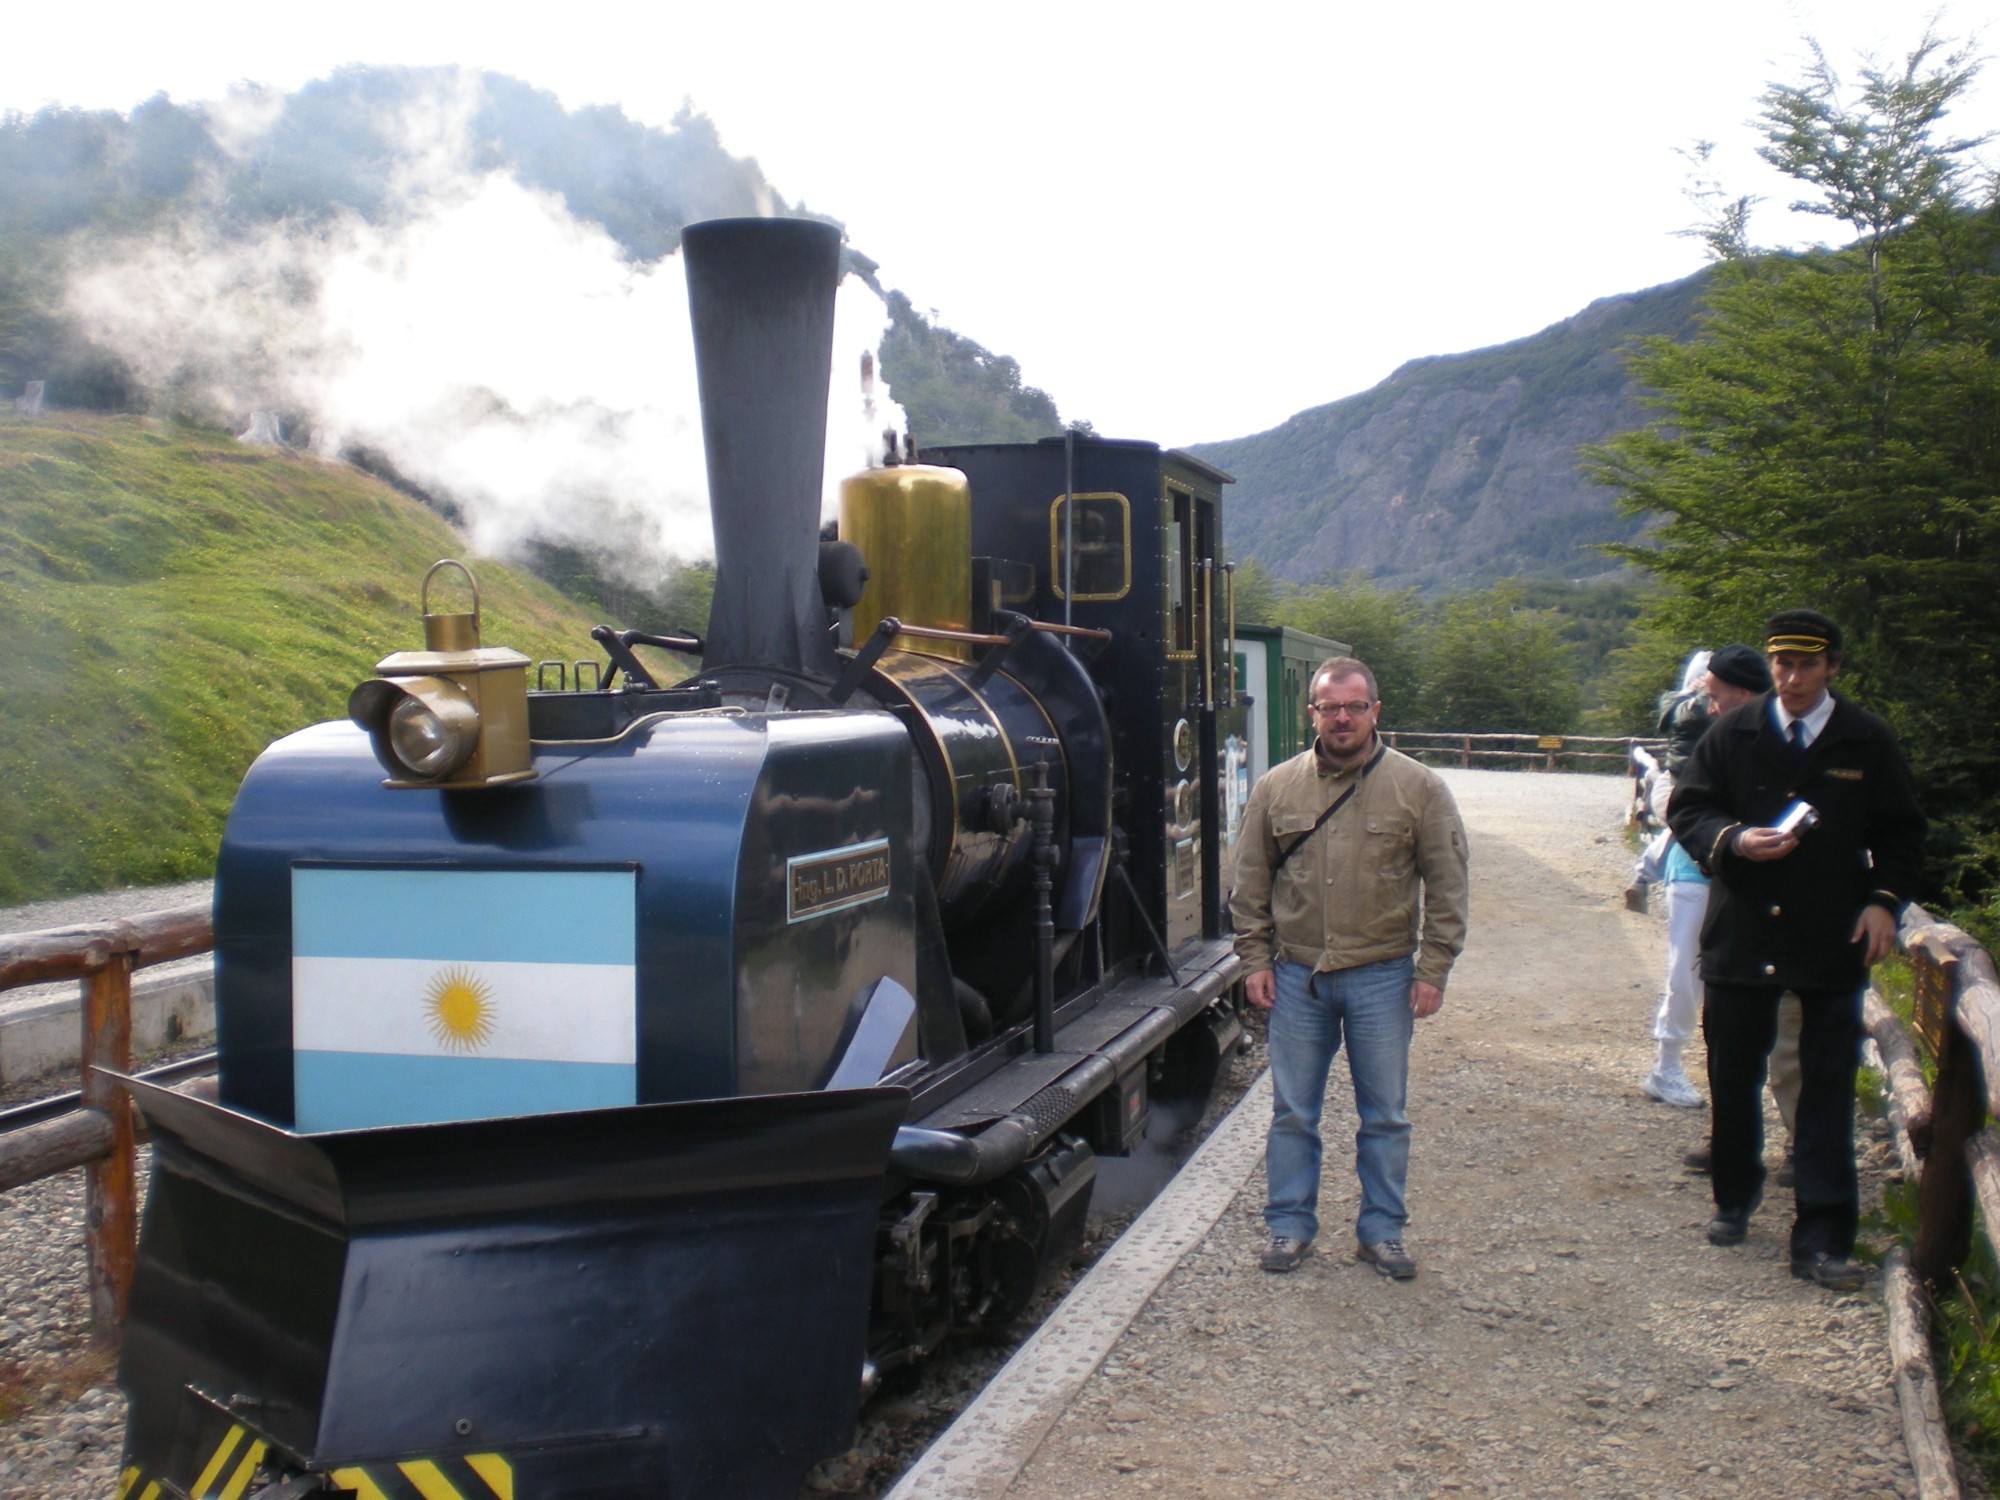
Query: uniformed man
x=1799, y=806
x=1348, y=849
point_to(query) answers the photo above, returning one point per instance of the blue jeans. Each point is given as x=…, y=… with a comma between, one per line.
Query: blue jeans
x=1371, y=1005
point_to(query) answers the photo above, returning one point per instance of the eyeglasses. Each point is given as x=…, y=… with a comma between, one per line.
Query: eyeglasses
x=1353, y=710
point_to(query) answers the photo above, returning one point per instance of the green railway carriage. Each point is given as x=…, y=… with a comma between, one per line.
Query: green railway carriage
x=1274, y=667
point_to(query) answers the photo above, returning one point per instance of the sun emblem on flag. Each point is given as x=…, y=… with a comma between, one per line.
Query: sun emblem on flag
x=459, y=1005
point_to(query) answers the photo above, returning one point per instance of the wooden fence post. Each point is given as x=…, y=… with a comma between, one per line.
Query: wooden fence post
x=1944, y=1193
x=1465, y=747
x=111, y=1196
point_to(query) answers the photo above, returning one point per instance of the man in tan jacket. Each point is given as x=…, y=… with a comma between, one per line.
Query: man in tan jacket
x=1350, y=907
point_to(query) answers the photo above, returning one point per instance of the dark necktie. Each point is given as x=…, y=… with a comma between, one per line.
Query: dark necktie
x=1799, y=738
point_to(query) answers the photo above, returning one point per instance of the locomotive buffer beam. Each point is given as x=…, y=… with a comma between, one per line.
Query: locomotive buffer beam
x=342, y=1288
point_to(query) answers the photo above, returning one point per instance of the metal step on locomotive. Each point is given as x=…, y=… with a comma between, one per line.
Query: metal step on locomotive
x=614, y=1081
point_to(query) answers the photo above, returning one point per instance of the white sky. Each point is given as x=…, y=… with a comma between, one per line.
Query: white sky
x=1186, y=222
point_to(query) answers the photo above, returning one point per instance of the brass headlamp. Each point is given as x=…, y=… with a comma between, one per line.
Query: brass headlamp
x=452, y=715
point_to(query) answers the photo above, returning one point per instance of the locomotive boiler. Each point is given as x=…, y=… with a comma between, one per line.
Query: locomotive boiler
x=615, y=1081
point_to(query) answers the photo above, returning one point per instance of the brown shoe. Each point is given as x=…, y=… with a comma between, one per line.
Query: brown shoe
x=1730, y=1226
x=1284, y=1253
x=1830, y=1271
x=1388, y=1257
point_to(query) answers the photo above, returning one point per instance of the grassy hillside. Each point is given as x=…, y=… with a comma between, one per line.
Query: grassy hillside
x=170, y=603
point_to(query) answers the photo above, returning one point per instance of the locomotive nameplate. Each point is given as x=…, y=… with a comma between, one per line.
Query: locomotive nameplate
x=835, y=879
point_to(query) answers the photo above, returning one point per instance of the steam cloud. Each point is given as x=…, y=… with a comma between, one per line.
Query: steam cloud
x=494, y=348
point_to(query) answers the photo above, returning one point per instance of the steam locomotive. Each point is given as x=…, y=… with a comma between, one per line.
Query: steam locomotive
x=616, y=1079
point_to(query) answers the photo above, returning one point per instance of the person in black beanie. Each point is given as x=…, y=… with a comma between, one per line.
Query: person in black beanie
x=1740, y=666
x=1800, y=808
x=1734, y=676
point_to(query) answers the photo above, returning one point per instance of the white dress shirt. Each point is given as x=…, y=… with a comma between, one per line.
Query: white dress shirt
x=1814, y=719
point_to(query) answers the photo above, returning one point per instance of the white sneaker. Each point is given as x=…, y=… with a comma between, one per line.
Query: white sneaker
x=1671, y=1086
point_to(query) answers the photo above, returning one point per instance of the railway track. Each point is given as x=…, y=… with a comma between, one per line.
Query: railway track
x=914, y=1406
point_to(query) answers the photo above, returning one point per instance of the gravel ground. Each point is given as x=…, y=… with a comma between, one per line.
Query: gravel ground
x=62, y=1421
x=105, y=906
x=1572, y=1332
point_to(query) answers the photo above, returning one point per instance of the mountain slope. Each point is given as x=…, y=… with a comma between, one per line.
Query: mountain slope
x=355, y=142
x=1459, y=469
x=173, y=601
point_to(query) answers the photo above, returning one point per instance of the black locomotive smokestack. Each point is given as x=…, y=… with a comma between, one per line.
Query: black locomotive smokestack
x=761, y=295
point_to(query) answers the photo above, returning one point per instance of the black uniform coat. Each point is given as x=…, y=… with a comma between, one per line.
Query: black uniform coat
x=1788, y=922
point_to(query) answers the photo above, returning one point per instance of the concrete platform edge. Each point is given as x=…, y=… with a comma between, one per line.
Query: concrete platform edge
x=979, y=1456
x=45, y=1037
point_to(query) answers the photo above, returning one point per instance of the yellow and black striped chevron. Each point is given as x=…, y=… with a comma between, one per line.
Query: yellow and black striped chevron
x=469, y=1476
x=226, y=1472
x=232, y=1466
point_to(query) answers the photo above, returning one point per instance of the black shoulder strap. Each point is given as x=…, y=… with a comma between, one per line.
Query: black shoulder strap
x=1338, y=803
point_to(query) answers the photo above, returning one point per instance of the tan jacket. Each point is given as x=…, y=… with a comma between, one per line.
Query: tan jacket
x=1355, y=892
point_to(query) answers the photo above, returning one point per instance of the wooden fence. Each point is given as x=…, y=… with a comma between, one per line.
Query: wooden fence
x=99, y=1129
x=1530, y=752
x=1943, y=1139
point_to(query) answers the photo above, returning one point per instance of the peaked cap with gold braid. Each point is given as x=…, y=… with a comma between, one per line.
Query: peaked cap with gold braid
x=1804, y=631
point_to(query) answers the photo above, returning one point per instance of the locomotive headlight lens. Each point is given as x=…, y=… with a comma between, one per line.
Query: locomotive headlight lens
x=431, y=743
x=424, y=728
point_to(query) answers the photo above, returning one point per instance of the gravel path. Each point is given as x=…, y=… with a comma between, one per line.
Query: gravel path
x=1572, y=1332
x=105, y=906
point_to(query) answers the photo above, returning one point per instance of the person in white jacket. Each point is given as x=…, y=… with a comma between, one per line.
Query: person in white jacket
x=1732, y=676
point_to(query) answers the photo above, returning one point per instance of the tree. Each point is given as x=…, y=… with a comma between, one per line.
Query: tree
x=1875, y=163
x=1492, y=664
x=1831, y=436
x=1383, y=627
x=1257, y=594
x=954, y=390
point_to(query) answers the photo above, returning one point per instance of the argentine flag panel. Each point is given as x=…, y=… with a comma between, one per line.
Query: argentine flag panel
x=428, y=995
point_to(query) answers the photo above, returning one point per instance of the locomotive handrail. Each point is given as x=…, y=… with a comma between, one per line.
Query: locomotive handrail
x=1086, y=632
x=941, y=633
x=101, y=1134
x=870, y=651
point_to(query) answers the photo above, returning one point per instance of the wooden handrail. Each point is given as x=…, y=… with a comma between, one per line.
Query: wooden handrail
x=51, y=1146
x=78, y=952
x=1455, y=736
x=1544, y=750
x=101, y=1136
